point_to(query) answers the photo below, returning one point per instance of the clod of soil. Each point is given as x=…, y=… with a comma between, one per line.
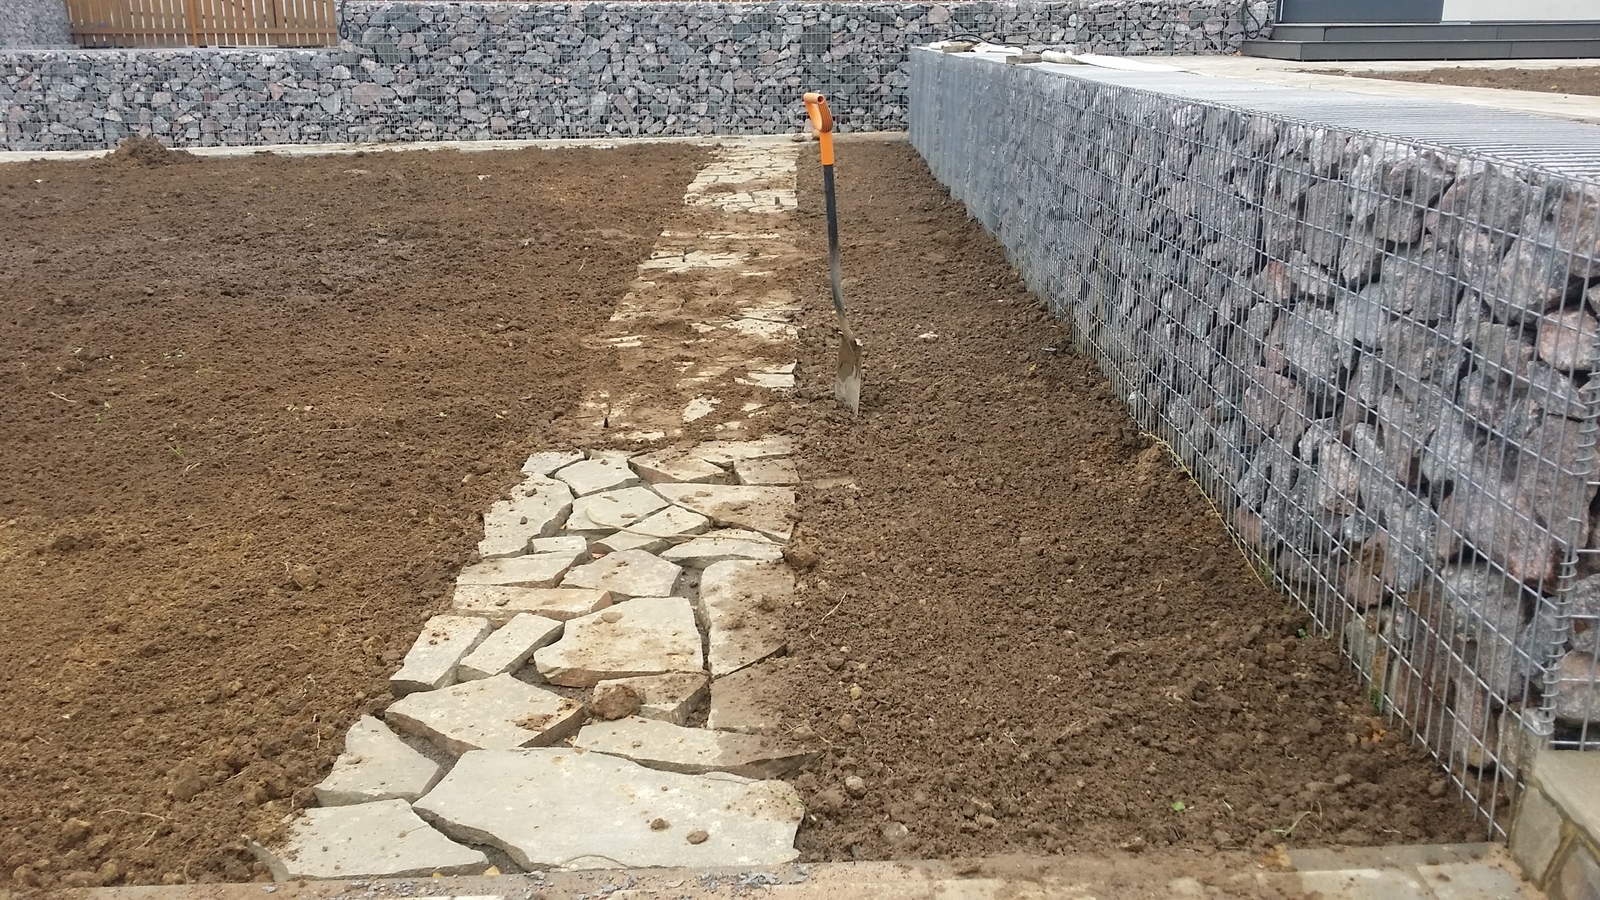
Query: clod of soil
x=1584, y=80
x=254, y=410
x=148, y=151
x=1026, y=630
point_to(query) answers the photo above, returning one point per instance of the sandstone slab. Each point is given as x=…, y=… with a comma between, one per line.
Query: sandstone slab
x=673, y=523
x=742, y=702
x=648, y=636
x=370, y=840
x=376, y=765
x=431, y=661
x=534, y=570
x=619, y=508
x=496, y=713
x=670, y=697
x=509, y=647
x=726, y=453
x=712, y=548
x=776, y=471
x=627, y=540
x=675, y=465
x=537, y=508
x=604, y=473
x=630, y=573
x=758, y=508
x=690, y=751
x=529, y=804
x=739, y=602
x=500, y=604
x=548, y=462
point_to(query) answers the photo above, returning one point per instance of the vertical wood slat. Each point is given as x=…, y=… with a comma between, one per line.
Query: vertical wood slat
x=203, y=23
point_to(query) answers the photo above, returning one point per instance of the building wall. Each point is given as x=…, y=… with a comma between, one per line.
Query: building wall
x=1521, y=11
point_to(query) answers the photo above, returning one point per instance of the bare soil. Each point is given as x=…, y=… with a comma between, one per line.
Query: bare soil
x=1583, y=80
x=1025, y=630
x=253, y=410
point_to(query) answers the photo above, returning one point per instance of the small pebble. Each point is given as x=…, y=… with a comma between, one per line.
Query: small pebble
x=659, y=824
x=697, y=836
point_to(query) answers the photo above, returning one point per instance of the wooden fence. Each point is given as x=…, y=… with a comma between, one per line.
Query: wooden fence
x=204, y=23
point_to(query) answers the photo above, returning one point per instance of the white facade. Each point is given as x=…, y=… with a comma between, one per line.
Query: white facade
x=1522, y=10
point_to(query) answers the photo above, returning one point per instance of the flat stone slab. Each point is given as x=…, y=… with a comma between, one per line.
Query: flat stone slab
x=677, y=465
x=504, y=652
x=534, y=570
x=604, y=473
x=758, y=508
x=627, y=540
x=741, y=701
x=670, y=697
x=498, y=713
x=370, y=840
x=547, y=462
x=712, y=548
x=563, y=808
x=538, y=508
x=619, y=508
x=738, y=603
x=726, y=453
x=630, y=573
x=647, y=636
x=689, y=751
x=376, y=765
x=673, y=523
x=500, y=604
x=767, y=471
x=431, y=661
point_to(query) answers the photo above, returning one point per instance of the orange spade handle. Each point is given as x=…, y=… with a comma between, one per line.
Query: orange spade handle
x=822, y=121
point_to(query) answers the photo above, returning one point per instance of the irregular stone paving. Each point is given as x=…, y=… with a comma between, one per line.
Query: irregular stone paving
x=565, y=808
x=591, y=571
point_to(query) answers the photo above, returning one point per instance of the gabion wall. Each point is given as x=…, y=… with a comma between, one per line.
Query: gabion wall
x=34, y=23
x=478, y=71
x=1374, y=352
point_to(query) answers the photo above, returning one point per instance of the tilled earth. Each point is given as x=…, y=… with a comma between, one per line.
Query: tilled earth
x=1025, y=630
x=253, y=410
x=1567, y=80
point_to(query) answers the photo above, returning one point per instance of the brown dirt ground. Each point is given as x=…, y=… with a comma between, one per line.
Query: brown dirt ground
x=253, y=410
x=1057, y=645
x=1583, y=80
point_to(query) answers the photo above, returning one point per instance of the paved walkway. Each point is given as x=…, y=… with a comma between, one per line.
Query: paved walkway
x=1300, y=74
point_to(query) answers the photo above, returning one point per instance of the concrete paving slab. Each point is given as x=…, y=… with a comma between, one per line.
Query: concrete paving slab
x=677, y=465
x=376, y=765
x=670, y=697
x=498, y=713
x=630, y=573
x=763, y=509
x=673, y=523
x=504, y=651
x=595, y=475
x=709, y=549
x=1366, y=884
x=548, y=462
x=500, y=604
x=1470, y=881
x=646, y=636
x=370, y=840
x=738, y=603
x=1570, y=778
x=431, y=661
x=777, y=471
x=568, y=809
x=690, y=751
x=620, y=508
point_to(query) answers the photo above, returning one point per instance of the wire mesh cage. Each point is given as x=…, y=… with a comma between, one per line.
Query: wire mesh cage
x=1373, y=353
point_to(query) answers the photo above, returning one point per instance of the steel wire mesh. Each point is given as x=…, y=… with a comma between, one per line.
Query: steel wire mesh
x=1374, y=352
